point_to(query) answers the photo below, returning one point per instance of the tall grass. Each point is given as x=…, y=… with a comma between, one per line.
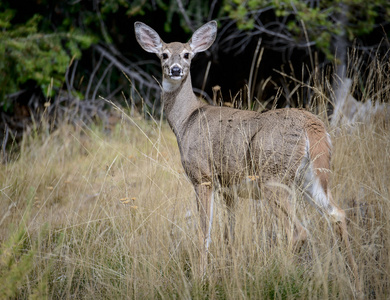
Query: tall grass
x=86, y=214
x=91, y=215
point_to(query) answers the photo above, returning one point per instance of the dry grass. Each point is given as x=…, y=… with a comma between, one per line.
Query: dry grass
x=87, y=214
x=93, y=215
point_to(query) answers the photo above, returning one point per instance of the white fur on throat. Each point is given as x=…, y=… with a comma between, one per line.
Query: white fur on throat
x=170, y=85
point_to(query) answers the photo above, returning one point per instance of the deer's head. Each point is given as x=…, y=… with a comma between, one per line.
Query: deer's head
x=175, y=57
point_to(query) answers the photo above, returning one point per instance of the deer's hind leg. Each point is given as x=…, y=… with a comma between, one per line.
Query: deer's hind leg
x=322, y=197
x=280, y=196
x=337, y=216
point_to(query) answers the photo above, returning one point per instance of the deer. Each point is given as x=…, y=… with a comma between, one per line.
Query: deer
x=242, y=153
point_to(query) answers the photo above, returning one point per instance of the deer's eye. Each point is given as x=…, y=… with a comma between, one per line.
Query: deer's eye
x=186, y=55
x=165, y=56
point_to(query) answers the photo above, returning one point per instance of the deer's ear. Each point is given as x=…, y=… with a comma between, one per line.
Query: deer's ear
x=204, y=37
x=149, y=39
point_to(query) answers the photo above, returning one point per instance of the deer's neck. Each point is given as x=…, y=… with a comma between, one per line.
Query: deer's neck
x=179, y=102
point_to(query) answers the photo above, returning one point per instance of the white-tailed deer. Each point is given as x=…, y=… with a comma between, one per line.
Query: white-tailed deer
x=224, y=149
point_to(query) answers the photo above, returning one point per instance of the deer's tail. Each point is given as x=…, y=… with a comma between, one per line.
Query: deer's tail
x=320, y=154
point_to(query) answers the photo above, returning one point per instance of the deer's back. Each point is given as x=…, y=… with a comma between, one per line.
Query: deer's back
x=229, y=143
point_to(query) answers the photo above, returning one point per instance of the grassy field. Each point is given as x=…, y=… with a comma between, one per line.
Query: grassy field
x=91, y=215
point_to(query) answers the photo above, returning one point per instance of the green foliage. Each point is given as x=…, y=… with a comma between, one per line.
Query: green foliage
x=317, y=21
x=133, y=8
x=37, y=45
x=27, y=53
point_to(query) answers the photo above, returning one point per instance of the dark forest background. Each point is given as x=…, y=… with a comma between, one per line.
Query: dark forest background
x=61, y=58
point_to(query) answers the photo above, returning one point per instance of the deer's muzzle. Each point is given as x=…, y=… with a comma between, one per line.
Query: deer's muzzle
x=175, y=71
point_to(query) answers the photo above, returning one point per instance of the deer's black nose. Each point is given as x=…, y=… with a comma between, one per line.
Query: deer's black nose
x=176, y=71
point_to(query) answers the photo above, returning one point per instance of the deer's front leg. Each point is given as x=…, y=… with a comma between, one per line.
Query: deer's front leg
x=205, y=203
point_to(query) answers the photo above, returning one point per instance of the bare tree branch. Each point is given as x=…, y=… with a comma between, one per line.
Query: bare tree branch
x=185, y=16
x=134, y=75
